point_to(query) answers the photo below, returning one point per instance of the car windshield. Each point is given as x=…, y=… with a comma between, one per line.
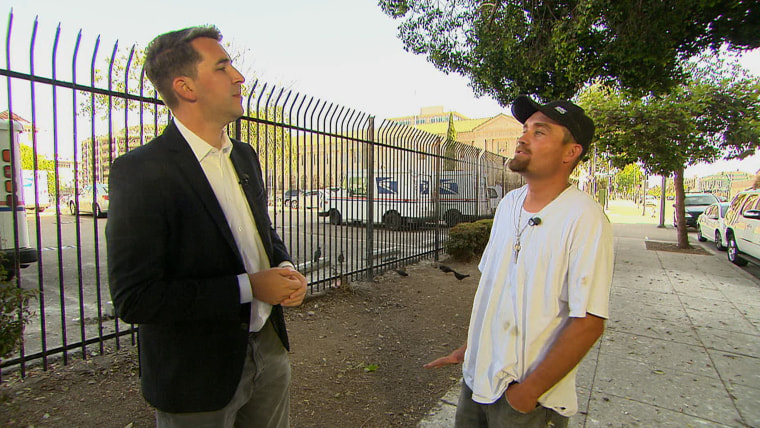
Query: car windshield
x=699, y=200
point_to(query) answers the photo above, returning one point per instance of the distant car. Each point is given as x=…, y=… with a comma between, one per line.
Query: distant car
x=695, y=204
x=85, y=198
x=309, y=199
x=291, y=195
x=743, y=228
x=711, y=225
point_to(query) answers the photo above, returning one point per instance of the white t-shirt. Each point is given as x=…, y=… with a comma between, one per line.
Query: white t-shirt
x=563, y=269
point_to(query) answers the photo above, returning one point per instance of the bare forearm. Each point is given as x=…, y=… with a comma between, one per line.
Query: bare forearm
x=455, y=357
x=568, y=349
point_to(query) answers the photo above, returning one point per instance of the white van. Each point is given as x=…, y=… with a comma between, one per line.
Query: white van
x=400, y=199
x=41, y=199
x=14, y=232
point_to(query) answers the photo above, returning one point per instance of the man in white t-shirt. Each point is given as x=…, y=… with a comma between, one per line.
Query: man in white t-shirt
x=544, y=291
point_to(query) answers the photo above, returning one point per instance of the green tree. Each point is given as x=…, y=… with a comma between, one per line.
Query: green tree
x=554, y=48
x=43, y=164
x=450, y=164
x=628, y=180
x=695, y=122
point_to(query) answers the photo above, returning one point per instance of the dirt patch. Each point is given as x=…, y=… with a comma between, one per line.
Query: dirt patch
x=357, y=356
x=673, y=248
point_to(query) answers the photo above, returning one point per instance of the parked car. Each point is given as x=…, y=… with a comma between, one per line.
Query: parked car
x=695, y=204
x=100, y=206
x=743, y=228
x=711, y=225
x=291, y=195
x=309, y=199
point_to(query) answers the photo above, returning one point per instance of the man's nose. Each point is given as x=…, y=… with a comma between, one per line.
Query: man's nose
x=238, y=76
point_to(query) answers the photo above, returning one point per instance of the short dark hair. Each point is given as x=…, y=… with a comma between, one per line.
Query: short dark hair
x=171, y=54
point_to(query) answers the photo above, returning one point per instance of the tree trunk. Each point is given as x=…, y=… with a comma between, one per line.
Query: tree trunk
x=683, y=237
x=662, y=201
x=644, y=186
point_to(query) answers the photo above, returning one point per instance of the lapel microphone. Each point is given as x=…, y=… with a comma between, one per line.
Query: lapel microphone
x=534, y=221
x=243, y=180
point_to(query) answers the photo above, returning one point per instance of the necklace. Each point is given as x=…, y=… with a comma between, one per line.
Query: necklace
x=519, y=232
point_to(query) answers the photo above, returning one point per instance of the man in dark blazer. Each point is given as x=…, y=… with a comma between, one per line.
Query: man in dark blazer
x=193, y=258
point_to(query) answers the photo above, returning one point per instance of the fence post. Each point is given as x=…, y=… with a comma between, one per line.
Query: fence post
x=370, y=158
x=436, y=185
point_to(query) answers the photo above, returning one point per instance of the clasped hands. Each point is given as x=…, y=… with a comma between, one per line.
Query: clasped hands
x=278, y=286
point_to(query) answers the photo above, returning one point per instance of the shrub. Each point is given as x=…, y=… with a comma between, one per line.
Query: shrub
x=14, y=315
x=467, y=240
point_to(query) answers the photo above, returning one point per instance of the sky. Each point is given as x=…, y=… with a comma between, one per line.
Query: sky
x=342, y=51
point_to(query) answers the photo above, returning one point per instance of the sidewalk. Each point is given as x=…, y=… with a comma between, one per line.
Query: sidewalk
x=681, y=348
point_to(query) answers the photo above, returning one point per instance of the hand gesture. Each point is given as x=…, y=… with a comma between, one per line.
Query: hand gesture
x=456, y=357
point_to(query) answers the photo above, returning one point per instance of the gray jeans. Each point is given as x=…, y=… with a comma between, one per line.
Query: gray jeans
x=501, y=415
x=262, y=398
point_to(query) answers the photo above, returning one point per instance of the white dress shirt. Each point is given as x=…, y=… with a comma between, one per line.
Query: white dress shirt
x=221, y=174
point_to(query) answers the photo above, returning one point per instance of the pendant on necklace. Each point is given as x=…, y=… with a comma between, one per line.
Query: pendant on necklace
x=517, y=249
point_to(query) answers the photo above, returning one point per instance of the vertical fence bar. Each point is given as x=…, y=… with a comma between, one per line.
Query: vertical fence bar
x=75, y=147
x=370, y=167
x=59, y=233
x=35, y=185
x=12, y=198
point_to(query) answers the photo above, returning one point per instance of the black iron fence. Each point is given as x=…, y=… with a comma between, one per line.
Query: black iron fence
x=351, y=198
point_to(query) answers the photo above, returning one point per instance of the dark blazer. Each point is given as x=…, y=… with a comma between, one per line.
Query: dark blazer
x=173, y=266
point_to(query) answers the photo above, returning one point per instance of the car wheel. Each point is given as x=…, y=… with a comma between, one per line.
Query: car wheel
x=733, y=252
x=72, y=208
x=452, y=218
x=96, y=212
x=700, y=237
x=393, y=221
x=719, y=242
x=335, y=217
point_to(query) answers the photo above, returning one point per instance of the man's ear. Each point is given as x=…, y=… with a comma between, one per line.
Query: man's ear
x=184, y=88
x=573, y=151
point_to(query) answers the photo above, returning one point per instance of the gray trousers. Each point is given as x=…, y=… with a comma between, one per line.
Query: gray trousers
x=262, y=398
x=501, y=415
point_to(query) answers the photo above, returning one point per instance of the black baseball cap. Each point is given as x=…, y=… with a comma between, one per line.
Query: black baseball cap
x=564, y=113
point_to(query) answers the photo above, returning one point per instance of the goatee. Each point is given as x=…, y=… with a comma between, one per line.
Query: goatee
x=517, y=165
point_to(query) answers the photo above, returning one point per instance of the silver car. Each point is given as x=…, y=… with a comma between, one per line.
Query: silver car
x=83, y=201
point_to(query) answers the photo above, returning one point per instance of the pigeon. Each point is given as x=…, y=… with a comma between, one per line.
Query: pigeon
x=341, y=258
x=401, y=272
x=460, y=276
x=317, y=254
x=445, y=268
